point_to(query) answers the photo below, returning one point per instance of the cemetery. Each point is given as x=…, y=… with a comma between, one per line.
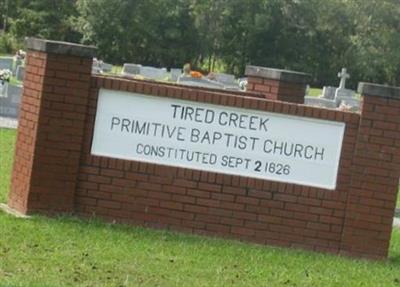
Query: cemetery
x=168, y=143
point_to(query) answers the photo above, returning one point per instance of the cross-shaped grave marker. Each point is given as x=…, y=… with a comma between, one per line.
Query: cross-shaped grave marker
x=343, y=75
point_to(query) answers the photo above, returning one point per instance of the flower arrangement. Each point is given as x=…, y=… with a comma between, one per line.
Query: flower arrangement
x=20, y=55
x=196, y=74
x=5, y=75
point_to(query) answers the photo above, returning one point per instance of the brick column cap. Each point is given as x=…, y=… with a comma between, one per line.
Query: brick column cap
x=277, y=74
x=384, y=91
x=60, y=48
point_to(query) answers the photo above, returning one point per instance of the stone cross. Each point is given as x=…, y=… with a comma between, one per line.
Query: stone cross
x=343, y=75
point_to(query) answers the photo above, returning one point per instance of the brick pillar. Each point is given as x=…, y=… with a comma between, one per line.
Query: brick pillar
x=375, y=176
x=278, y=85
x=51, y=122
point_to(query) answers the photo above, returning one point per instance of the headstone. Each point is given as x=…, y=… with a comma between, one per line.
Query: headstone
x=20, y=74
x=175, y=74
x=153, y=73
x=243, y=84
x=6, y=63
x=328, y=93
x=15, y=93
x=96, y=66
x=131, y=69
x=225, y=78
x=3, y=89
x=342, y=91
x=10, y=102
x=320, y=102
x=343, y=75
x=199, y=82
x=106, y=68
x=307, y=93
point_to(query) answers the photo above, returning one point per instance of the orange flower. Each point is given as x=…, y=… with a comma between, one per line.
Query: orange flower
x=196, y=74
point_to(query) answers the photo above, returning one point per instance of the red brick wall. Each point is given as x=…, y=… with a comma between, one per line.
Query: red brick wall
x=54, y=171
x=50, y=133
x=376, y=170
x=277, y=90
x=209, y=203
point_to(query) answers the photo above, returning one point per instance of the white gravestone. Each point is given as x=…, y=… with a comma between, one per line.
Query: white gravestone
x=225, y=78
x=3, y=89
x=328, y=93
x=106, y=68
x=96, y=66
x=320, y=102
x=342, y=91
x=345, y=97
x=131, y=69
x=153, y=73
x=175, y=74
x=10, y=102
x=20, y=74
x=199, y=82
x=6, y=63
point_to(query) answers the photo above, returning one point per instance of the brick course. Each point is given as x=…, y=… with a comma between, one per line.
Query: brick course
x=54, y=171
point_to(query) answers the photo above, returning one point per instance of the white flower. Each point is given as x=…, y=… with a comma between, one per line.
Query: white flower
x=5, y=75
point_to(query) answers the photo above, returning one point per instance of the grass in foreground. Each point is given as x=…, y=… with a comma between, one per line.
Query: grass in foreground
x=7, y=144
x=398, y=198
x=72, y=252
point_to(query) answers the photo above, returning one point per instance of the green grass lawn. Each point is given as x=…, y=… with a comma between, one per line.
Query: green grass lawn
x=314, y=92
x=71, y=252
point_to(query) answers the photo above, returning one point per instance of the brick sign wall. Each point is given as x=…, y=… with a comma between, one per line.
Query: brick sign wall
x=56, y=172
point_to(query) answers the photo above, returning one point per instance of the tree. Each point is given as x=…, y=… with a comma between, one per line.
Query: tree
x=50, y=19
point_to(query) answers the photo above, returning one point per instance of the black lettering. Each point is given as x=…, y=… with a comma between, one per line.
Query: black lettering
x=265, y=146
x=233, y=118
x=252, y=123
x=224, y=160
x=206, y=138
x=140, y=129
x=209, y=118
x=170, y=132
x=242, y=142
x=263, y=124
x=298, y=150
x=114, y=122
x=125, y=125
x=194, y=136
x=242, y=120
x=308, y=152
x=220, y=119
x=139, y=149
x=216, y=137
x=175, y=108
x=189, y=113
x=319, y=153
x=278, y=147
x=180, y=136
x=197, y=116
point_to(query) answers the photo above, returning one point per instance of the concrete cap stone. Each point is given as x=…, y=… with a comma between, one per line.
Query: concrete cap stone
x=277, y=74
x=384, y=91
x=60, y=48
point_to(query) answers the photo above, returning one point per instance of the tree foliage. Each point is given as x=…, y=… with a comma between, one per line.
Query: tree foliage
x=315, y=36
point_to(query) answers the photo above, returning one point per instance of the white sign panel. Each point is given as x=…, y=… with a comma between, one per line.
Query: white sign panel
x=218, y=139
